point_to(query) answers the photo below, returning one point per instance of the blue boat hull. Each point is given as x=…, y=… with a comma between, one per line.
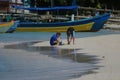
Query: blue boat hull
x=90, y=24
x=100, y=21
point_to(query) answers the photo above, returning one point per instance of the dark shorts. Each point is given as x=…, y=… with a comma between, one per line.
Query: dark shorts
x=70, y=32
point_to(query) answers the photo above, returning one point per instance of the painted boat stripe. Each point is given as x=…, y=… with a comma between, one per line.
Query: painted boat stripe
x=83, y=27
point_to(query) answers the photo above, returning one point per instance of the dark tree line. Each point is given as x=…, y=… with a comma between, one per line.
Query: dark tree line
x=109, y=4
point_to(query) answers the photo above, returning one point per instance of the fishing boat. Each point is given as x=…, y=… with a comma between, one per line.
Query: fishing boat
x=89, y=24
x=7, y=26
x=13, y=27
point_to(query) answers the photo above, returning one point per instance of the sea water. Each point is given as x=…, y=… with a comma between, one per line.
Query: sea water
x=20, y=61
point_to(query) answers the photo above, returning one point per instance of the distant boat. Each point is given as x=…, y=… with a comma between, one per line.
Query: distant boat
x=14, y=27
x=89, y=24
x=5, y=26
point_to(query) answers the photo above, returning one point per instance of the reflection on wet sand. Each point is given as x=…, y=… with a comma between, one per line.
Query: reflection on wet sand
x=55, y=52
x=45, y=63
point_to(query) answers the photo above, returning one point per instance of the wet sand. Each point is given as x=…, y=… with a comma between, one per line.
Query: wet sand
x=106, y=47
x=22, y=61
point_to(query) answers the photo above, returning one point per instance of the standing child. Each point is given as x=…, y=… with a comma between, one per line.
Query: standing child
x=70, y=35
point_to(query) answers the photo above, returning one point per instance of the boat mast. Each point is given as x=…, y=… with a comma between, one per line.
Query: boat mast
x=74, y=11
x=16, y=1
x=73, y=2
x=22, y=14
x=52, y=3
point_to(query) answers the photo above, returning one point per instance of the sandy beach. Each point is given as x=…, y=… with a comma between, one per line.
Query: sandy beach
x=106, y=47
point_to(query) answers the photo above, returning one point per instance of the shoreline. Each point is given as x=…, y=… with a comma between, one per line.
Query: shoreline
x=106, y=47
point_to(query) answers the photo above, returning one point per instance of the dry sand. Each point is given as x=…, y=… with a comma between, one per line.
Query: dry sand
x=107, y=47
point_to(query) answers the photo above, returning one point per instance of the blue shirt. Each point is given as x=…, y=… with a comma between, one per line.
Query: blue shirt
x=52, y=39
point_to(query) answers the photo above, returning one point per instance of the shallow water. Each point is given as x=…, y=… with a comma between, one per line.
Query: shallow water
x=36, y=36
x=21, y=61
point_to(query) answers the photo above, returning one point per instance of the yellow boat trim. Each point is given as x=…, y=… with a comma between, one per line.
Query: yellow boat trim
x=7, y=24
x=83, y=27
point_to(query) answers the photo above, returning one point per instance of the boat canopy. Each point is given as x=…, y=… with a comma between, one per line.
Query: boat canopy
x=46, y=8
